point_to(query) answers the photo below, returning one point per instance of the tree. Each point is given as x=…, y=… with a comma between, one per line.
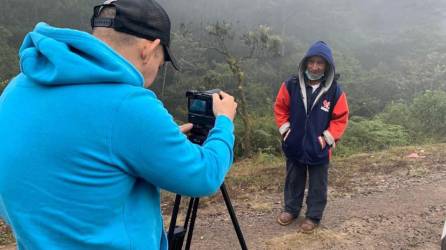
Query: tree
x=428, y=115
x=8, y=57
x=260, y=43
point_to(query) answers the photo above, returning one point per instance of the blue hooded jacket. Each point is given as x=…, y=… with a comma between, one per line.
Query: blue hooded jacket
x=85, y=149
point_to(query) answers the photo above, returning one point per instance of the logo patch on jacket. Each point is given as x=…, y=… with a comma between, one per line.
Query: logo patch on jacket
x=325, y=106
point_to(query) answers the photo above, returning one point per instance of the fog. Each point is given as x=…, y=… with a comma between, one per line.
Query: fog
x=396, y=28
x=378, y=17
x=398, y=45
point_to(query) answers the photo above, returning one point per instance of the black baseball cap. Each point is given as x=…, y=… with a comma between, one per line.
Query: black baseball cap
x=141, y=18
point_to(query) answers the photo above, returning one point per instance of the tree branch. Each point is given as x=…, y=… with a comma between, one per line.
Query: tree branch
x=223, y=52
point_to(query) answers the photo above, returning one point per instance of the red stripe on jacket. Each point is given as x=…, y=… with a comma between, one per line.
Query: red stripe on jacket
x=339, y=118
x=282, y=106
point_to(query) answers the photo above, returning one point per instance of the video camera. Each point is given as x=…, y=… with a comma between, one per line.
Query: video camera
x=200, y=114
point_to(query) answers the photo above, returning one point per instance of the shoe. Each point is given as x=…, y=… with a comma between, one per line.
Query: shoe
x=308, y=226
x=285, y=218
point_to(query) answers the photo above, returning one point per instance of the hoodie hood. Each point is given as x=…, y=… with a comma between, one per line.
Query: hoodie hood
x=55, y=56
x=321, y=49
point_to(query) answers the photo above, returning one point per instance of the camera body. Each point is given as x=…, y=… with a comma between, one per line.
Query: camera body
x=200, y=114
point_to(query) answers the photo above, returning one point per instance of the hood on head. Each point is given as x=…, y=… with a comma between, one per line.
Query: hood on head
x=319, y=48
x=55, y=56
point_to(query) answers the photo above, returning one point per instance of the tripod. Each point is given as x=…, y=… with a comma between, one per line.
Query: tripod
x=176, y=234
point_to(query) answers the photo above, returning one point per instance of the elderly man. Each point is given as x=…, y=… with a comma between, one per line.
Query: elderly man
x=86, y=148
x=311, y=112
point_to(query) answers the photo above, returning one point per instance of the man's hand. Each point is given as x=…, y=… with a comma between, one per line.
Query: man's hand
x=185, y=128
x=224, y=104
x=322, y=142
x=285, y=136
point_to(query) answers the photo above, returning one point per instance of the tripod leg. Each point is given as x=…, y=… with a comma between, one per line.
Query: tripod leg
x=173, y=220
x=192, y=223
x=189, y=212
x=228, y=203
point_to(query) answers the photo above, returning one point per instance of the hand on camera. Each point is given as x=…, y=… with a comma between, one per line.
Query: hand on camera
x=185, y=128
x=224, y=104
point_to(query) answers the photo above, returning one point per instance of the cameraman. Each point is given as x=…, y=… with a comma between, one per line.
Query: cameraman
x=86, y=148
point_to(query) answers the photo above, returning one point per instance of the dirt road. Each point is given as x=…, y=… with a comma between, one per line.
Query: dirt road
x=386, y=200
x=402, y=208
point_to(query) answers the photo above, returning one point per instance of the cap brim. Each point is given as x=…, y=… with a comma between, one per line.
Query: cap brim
x=169, y=58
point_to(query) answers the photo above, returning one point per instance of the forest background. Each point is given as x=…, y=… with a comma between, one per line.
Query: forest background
x=390, y=56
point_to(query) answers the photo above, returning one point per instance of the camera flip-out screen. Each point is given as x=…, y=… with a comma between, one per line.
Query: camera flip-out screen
x=197, y=106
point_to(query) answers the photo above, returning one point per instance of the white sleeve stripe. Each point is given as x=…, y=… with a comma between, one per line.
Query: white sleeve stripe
x=284, y=128
x=329, y=138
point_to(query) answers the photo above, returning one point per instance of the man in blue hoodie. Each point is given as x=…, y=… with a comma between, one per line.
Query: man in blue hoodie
x=86, y=148
x=311, y=113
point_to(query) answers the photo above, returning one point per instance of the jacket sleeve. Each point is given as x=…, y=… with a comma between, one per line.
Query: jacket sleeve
x=338, y=122
x=148, y=144
x=282, y=109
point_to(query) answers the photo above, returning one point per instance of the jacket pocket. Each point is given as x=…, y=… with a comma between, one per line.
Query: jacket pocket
x=315, y=150
x=292, y=145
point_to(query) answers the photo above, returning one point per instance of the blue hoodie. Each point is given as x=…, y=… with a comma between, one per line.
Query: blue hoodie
x=85, y=149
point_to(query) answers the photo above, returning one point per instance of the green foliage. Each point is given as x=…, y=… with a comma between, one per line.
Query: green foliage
x=380, y=64
x=428, y=115
x=266, y=135
x=424, y=117
x=8, y=56
x=221, y=30
x=365, y=135
x=396, y=113
x=266, y=138
x=262, y=41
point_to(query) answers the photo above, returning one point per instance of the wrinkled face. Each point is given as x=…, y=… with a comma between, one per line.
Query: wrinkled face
x=316, y=65
x=150, y=69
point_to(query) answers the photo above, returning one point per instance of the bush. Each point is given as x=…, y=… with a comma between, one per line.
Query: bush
x=371, y=135
x=396, y=114
x=266, y=138
x=424, y=118
x=362, y=135
x=428, y=115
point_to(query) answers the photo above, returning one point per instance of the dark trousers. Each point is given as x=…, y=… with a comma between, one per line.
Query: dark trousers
x=296, y=177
